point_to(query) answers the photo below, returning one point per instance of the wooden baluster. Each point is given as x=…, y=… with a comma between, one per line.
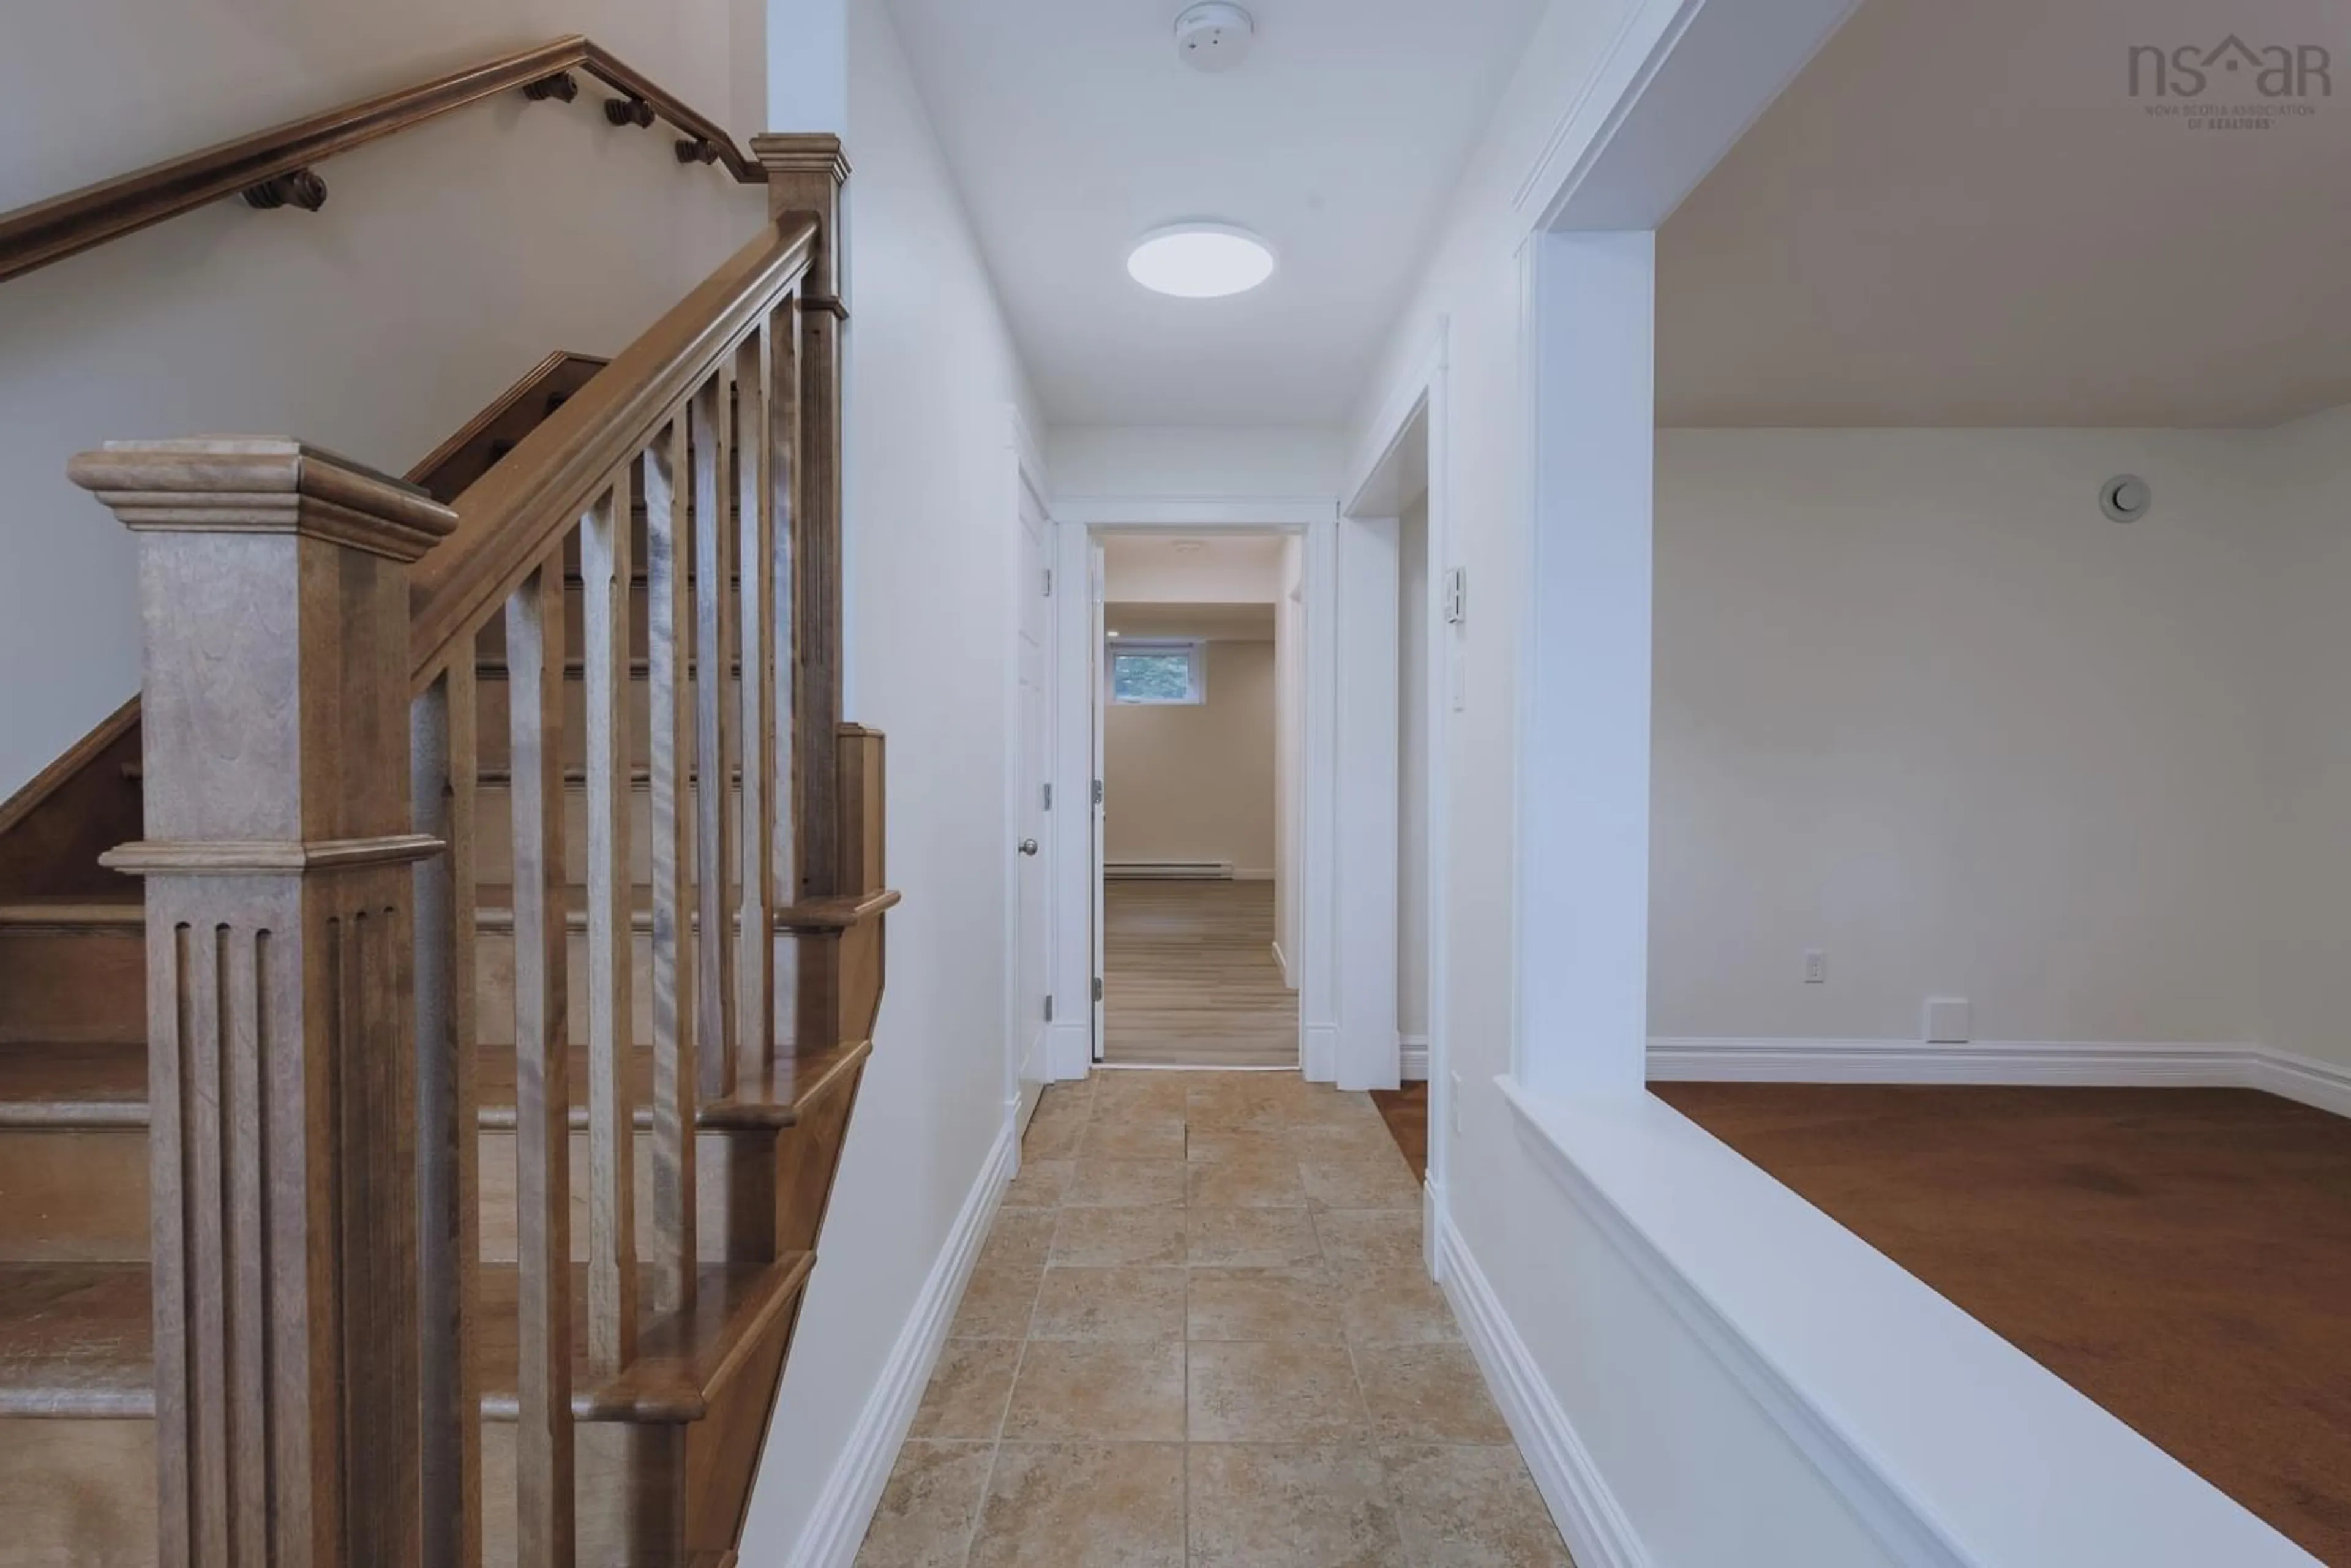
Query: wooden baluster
x=780, y=370
x=713, y=738
x=604, y=567
x=669, y=622
x=445, y=746
x=281, y=1024
x=755, y=516
x=543, y=1440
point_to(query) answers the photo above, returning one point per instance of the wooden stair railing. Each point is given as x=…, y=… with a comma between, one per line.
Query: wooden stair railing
x=276, y=167
x=328, y=982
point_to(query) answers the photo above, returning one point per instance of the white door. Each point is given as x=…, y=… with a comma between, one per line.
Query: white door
x=1032, y=770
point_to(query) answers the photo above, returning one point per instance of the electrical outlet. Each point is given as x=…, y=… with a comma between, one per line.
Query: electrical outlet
x=1816, y=967
x=1454, y=1100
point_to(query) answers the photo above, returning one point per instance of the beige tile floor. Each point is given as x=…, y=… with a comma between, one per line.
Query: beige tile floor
x=1199, y=1337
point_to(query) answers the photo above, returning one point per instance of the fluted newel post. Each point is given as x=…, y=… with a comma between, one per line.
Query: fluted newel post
x=274, y=597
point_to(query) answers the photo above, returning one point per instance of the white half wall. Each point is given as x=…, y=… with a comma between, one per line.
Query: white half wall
x=447, y=262
x=931, y=530
x=1195, y=781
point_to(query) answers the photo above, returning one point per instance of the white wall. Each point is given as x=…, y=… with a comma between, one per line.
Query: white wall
x=1289, y=725
x=1473, y=282
x=1195, y=781
x=1626, y=1371
x=932, y=376
x=447, y=261
x=1921, y=705
x=1185, y=461
x=1411, y=763
x=2306, y=970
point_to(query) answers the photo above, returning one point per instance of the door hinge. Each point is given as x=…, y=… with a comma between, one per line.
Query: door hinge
x=1049, y=797
x=1048, y=1010
x=1097, y=791
x=1048, y=583
x=1097, y=987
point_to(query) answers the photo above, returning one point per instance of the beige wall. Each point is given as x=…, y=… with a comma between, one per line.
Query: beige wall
x=1197, y=781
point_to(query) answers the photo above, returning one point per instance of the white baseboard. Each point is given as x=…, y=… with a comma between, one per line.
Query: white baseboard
x=1411, y=1052
x=1281, y=961
x=836, y=1526
x=2321, y=1084
x=1726, y=1060
x=1910, y=1062
x=1598, y=1533
x=1252, y=873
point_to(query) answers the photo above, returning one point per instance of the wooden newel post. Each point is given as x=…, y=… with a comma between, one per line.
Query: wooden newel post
x=274, y=594
x=805, y=174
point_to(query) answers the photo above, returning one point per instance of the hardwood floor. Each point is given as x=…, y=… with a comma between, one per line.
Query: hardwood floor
x=1189, y=978
x=2181, y=1256
x=1406, y=1111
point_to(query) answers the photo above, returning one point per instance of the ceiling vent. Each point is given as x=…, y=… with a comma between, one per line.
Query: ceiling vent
x=1213, y=36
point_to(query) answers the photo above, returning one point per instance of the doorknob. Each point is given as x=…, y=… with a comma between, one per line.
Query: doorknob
x=1028, y=846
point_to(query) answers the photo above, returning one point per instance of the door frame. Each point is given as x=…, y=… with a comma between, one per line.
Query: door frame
x=1026, y=479
x=1346, y=982
x=1418, y=406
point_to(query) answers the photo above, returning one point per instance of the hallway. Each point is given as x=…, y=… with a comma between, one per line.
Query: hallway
x=1189, y=978
x=1200, y=1335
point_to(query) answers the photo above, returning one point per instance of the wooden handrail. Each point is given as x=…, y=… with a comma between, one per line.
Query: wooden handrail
x=50, y=231
x=510, y=518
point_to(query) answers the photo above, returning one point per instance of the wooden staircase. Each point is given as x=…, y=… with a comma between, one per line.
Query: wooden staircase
x=416, y=1139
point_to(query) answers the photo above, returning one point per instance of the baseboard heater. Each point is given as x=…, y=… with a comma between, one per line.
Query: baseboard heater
x=1168, y=871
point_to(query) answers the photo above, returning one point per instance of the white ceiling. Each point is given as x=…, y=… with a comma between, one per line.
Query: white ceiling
x=1072, y=129
x=1957, y=215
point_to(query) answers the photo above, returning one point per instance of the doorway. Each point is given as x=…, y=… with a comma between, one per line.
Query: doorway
x=1191, y=715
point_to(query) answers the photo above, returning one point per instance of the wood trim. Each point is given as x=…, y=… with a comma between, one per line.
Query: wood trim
x=64, y=225
x=266, y=857
x=27, y=801
x=467, y=455
x=54, y=828
x=518, y=510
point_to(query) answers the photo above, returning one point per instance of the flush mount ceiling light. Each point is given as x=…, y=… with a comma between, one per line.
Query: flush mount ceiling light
x=1200, y=261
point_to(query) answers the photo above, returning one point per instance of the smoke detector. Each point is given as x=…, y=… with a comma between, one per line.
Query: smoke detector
x=1213, y=36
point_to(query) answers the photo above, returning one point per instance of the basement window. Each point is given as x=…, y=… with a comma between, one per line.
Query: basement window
x=1157, y=671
